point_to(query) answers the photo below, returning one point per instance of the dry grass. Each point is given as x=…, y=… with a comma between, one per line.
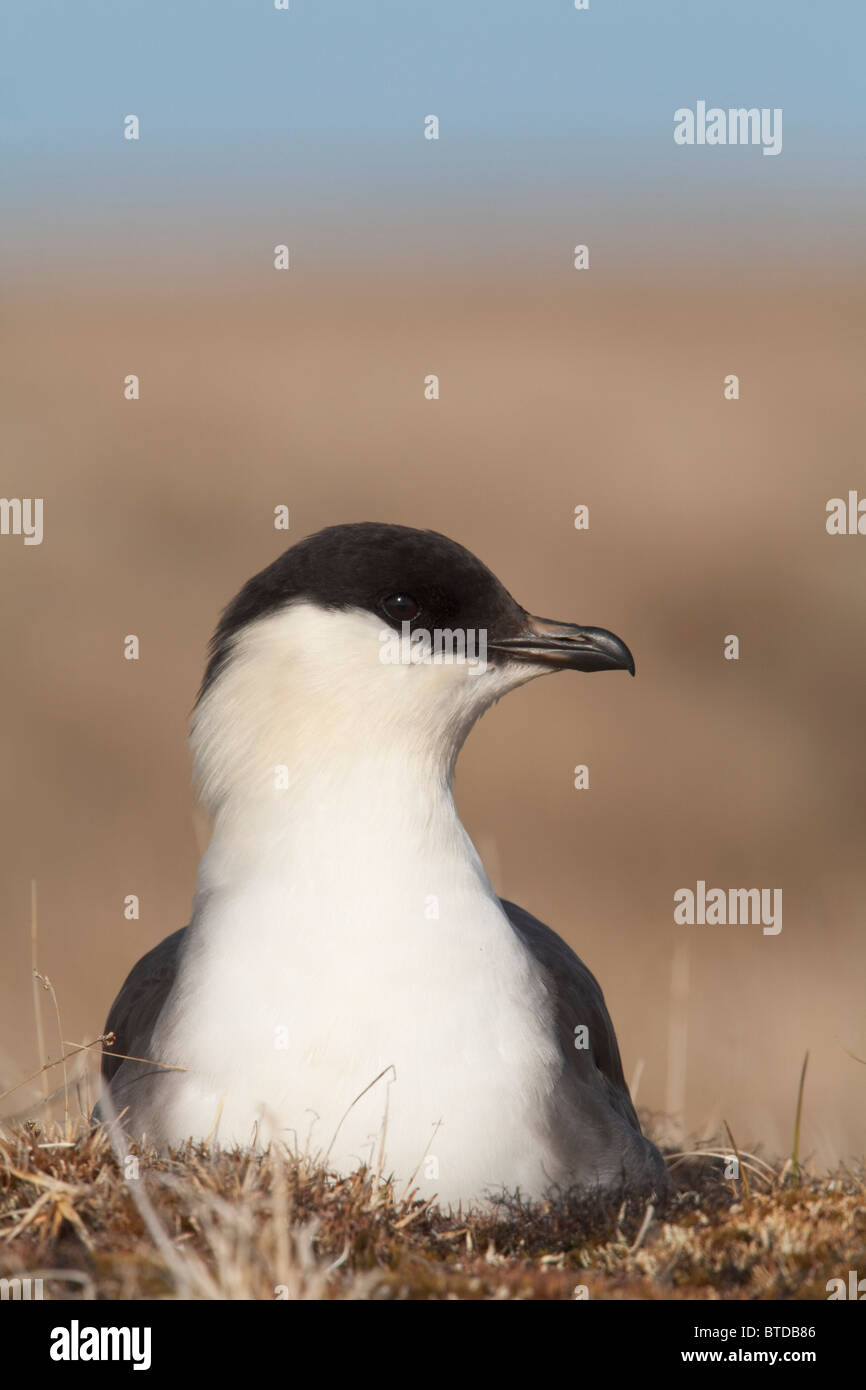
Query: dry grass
x=207, y=1225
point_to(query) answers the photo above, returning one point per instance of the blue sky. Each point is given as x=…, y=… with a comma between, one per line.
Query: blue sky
x=253, y=117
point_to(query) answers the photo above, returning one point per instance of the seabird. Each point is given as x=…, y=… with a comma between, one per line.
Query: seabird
x=350, y=983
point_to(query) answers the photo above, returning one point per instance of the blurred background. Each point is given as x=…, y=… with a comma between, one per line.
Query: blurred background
x=558, y=387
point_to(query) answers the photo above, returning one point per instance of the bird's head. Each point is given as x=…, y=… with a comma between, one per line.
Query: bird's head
x=383, y=639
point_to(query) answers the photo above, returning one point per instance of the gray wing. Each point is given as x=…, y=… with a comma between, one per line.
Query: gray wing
x=601, y=1138
x=137, y=1007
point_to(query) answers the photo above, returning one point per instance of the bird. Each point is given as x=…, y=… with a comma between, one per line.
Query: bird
x=349, y=983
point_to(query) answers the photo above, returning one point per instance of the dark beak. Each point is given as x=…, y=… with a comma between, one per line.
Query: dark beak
x=568, y=646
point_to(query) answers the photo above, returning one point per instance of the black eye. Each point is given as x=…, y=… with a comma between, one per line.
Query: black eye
x=401, y=607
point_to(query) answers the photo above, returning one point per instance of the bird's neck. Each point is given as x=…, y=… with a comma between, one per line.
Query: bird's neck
x=308, y=795
x=320, y=817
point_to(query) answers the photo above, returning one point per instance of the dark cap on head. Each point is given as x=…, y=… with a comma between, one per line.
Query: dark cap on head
x=405, y=575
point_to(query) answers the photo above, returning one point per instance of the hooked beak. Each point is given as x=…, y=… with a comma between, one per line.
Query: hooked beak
x=567, y=646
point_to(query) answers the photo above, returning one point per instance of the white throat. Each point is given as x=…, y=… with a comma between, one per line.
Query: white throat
x=306, y=733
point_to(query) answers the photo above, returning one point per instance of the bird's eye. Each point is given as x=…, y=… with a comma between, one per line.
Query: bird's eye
x=401, y=607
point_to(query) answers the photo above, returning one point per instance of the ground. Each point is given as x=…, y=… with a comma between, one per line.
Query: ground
x=201, y=1224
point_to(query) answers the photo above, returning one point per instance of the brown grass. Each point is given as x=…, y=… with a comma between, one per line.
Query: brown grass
x=200, y=1224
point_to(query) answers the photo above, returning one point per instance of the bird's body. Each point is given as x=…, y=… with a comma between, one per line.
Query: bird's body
x=350, y=983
